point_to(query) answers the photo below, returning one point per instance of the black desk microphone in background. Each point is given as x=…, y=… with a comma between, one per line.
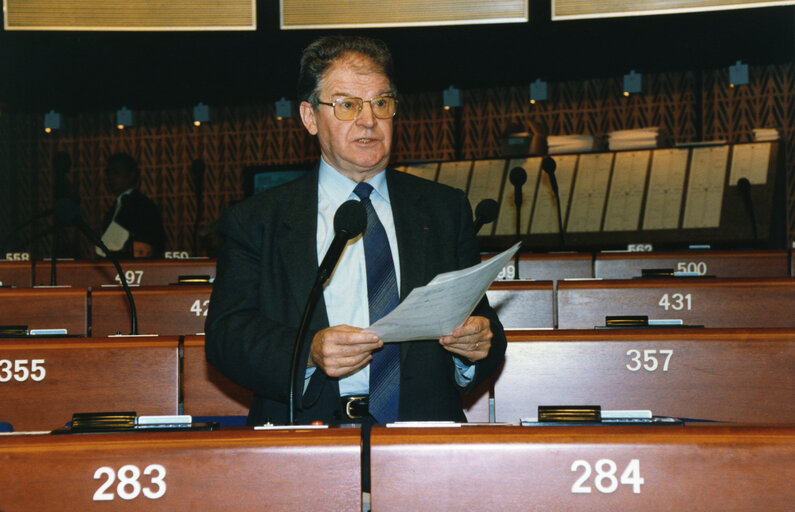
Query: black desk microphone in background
x=197, y=170
x=485, y=212
x=548, y=165
x=67, y=212
x=349, y=221
x=744, y=188
x=518, y=177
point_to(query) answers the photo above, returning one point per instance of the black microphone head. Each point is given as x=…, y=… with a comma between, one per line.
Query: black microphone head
x=487, y=210
x=350, y=219
x=518, y=176
x=67, y=211
x=744, y=185
x=548, y=165
x=197, y=168
x=61, y=162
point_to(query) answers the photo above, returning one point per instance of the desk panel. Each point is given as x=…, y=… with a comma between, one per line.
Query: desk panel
x=46, y=308
x=205, y=391
x=549, y=266
x=44, y=381
x=15, y=273
x=741, y=302
x=713, y=263
x=236, y=470
x=139, y=272
x=740, y=375
x=727, y=468
x=164, y=310
x=523, y=304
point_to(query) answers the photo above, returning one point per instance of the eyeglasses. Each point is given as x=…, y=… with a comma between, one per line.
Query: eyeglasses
x=348, y=109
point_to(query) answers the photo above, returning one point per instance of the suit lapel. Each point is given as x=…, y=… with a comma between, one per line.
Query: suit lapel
x=298, y=245
x=413, y=229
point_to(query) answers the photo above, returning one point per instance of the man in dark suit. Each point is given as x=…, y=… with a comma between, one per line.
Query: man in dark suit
x=272, y=243
x=132, y=227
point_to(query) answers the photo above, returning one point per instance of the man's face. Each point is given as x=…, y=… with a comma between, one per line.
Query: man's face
x=359, y=148
x=118, y=179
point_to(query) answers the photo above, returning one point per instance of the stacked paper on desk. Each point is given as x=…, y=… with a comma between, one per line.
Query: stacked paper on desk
x=558, y=144
x=640, y=138
x=765, y=134
x=434, y=310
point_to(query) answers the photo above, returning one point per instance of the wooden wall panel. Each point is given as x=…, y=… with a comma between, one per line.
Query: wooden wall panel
x=768, y=101
x=689, y=106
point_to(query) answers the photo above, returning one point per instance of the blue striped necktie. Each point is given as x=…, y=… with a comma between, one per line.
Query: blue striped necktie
x=382, y=296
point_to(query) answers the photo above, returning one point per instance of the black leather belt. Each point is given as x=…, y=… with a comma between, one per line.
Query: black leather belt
x=355, y=406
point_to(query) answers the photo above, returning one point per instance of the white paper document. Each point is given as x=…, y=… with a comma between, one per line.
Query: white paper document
x=114, y=238
x=436, y=309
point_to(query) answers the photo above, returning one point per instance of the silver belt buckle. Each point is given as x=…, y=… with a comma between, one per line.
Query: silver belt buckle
x=348, y=406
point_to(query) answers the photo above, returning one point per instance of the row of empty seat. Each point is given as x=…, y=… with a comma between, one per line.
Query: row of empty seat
x=741, y=374
x=546, y=266
x=738, y=375
x=509, y=468
x=577, y=304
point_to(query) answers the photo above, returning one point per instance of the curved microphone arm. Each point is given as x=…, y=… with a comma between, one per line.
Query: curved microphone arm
x=349, y=221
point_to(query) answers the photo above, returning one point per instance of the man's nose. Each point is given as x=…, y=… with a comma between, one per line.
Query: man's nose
x=366, y=116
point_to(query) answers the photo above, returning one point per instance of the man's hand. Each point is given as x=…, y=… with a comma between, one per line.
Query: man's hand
x=472, y=340
x=342, y=349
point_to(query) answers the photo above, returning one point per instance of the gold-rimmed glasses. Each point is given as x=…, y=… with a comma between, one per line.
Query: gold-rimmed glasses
x=348, y=109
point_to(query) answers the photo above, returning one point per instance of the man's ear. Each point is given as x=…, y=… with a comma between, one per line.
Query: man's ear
x=308, y=117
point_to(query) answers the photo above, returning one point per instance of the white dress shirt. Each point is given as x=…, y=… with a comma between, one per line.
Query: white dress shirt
x=346, y=292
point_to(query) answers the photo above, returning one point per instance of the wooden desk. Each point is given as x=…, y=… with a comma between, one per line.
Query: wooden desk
x=549, y=266
x=523, y=304
x=714, y=263
x=139, y=272
x=726, y=468
x=241, y=470
x=15, y=273
x=164, y=310
x=44, y=381
x=741, y=302
x=46, y=308
x=205, y=392
x=740, y=375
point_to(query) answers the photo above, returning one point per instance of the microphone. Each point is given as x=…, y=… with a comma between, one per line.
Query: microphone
x=67, y=212
x=518, y=177
x=744, y=187
x=485, y=212
x=4, y=245
x=548, y=165
x=61, y=163
x=197, y=169
x=349, y=221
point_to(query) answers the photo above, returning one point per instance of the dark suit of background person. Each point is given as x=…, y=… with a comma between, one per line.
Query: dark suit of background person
x=268, y=263
x=137, y=213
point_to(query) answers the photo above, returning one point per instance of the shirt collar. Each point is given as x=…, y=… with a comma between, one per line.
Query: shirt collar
x=339, y=187
x=125, y=193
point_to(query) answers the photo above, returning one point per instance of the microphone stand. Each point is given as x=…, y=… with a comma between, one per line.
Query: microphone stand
x=349, y=220
x=518, y=176
x=548, y=165
x=744, y=187
x=53, y=255
x=67, y=213
x=300, y=341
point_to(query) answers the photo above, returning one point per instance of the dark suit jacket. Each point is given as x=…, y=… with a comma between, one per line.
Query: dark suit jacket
x=265, y=272
x=138, y=215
